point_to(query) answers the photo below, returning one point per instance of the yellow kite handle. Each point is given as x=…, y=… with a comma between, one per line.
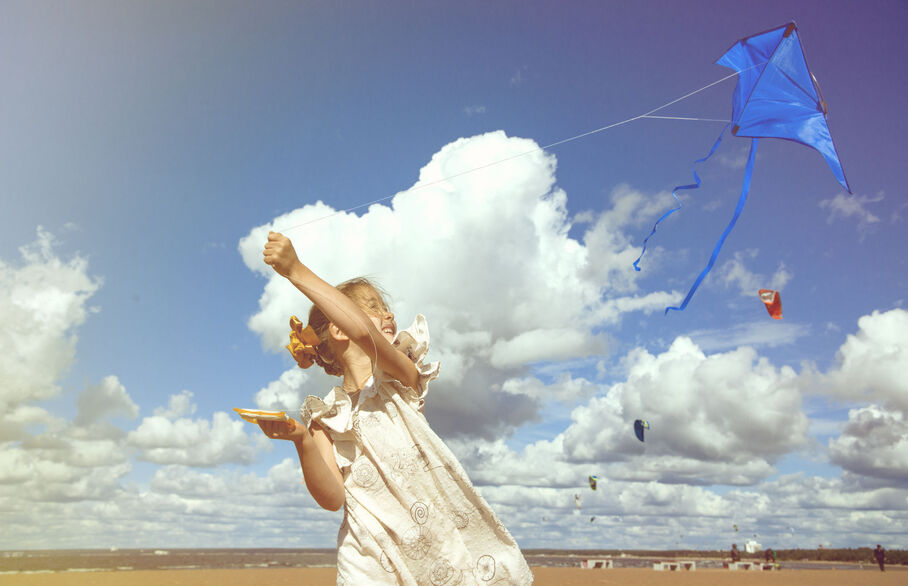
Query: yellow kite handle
x=253, y=416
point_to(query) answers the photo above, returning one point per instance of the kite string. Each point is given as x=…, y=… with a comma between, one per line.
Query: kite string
x=535, y=150
x=638, y=117
x=685, y=118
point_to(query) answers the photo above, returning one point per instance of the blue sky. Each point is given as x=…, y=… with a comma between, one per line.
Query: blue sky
x=147, y=148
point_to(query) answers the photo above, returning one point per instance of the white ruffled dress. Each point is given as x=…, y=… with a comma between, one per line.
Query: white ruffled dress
x=411, y=514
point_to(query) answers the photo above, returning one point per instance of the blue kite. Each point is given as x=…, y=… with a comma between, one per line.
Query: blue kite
x=776, y=97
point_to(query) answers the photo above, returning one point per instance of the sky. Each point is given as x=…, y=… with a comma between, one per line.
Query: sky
x=443, y=150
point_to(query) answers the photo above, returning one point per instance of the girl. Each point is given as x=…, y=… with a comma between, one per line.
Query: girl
x=411, y=515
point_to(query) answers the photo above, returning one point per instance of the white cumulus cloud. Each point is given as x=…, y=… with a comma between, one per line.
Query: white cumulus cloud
x=100, y=401
x=872, y=363
x=848, y=206
x=721, y=418
x=42, y=300
x=169, y=438
x=485, y=253
x=874, y=443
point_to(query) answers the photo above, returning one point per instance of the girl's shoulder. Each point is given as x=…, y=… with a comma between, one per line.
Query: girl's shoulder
x=414, y=340
x=334, y=411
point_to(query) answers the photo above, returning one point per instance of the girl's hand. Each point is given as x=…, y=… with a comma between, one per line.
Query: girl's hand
x=285, y=430
x=280, y=254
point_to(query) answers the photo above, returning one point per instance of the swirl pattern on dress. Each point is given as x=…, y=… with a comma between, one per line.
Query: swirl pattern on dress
x=419, y=512
x=403, y=461
x=364, y=473
x=460, y=518
x=357, y=430
x=384, y=543
x=485, y=568
x=444, y=574
x=416, y=542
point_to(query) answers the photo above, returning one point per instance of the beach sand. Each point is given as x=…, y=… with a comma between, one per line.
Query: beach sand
x=544, y=577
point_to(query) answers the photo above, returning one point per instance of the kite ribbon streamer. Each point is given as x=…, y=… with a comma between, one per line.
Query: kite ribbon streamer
x=745, y=188
x=679, y=187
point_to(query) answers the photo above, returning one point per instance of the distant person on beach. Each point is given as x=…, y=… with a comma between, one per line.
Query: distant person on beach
x=770, y=555
x=411, y=514
x=880, y=554
x=735, y=554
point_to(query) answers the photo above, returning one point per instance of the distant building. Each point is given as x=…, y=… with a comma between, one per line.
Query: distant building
x=751, y=546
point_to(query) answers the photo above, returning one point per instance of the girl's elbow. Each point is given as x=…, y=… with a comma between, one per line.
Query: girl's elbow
x=332, y=503
x=331, y=499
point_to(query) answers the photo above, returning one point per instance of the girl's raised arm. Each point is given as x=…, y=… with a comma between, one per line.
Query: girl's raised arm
x=342, y=311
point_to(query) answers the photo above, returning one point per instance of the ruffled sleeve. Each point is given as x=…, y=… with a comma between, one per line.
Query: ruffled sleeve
x=414, y=342
x=335, y=414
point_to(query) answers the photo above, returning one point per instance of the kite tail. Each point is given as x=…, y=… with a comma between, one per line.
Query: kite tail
x=679, y=187
x=745, y=188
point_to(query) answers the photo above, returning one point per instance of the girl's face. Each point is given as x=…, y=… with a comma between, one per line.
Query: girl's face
x=374, y=306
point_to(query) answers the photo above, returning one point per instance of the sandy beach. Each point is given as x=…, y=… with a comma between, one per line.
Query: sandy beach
x=544, y=577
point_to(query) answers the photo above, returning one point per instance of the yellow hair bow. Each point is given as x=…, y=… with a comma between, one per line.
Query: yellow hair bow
x=303, y=343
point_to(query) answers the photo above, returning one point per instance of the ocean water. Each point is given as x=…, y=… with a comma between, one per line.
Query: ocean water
x=98, y=560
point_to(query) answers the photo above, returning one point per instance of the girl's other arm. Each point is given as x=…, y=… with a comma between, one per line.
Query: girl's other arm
x=316, y=453
x=323, y=480
x=342, y=311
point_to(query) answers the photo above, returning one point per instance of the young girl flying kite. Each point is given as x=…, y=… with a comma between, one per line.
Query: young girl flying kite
x=411, y=514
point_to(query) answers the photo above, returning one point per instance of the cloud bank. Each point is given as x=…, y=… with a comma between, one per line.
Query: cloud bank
x=518, y=310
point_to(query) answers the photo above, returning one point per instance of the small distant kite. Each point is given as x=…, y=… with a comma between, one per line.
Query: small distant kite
x=776, y=97
x=592, y=519
x=577, y=501
x=736, y=528
x=639, y=426
x=773, y=302
x=593, y=481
